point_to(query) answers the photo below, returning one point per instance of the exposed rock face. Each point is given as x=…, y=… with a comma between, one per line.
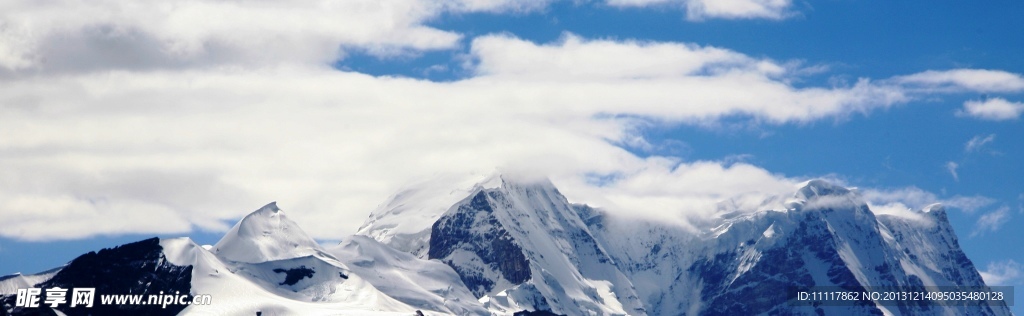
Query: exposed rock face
x=473, y=228
x=135, y=268
x=521, y=246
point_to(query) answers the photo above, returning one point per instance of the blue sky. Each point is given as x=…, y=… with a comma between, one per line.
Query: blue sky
x=119, y=126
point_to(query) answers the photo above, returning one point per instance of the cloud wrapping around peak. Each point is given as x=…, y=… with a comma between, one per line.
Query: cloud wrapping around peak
x=994, y=109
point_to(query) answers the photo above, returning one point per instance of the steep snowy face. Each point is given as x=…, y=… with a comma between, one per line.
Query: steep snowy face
x=427, y=285
x=404, y=221
x=930, y=245
x=266, y=235
x=522, y=247
x=827, y=236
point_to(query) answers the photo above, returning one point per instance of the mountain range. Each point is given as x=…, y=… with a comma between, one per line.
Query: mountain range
x=510, y=245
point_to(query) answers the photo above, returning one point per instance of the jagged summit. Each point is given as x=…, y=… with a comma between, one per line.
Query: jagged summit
x=403, y=221
x=264, y=235
x=522, y=246
x=819, y=188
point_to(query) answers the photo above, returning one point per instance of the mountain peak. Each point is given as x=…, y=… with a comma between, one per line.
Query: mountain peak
x=819, y=188
x=521, y=179
x=265, y=235
x=272, y=206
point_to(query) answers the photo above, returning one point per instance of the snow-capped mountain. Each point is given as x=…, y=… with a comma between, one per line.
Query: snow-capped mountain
x=517, y=244
x=509, y=245
x=521, y=246
x=826, y=237
x=403, y=221
x=266, y=265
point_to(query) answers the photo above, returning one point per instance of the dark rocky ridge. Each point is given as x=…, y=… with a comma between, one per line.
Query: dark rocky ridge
x=135, y=268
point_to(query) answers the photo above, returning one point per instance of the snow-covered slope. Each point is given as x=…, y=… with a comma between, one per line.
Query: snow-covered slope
x=11, y=283
x=522, y=247
x=243, y=288
x=281, y=272
x=267, y=256
x=265, y=235
x=403, y=221
x=827, y=237
x=424, y=284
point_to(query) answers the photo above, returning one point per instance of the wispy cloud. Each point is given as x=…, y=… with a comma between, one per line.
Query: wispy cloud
x=1007, y=272
x=969, y=204
x=994, y=109
x=1020, y=201
x=916, y=198
x=977, y=142
x=697, y=10
x=991, y=221
x=978, y=80
x=951, y=167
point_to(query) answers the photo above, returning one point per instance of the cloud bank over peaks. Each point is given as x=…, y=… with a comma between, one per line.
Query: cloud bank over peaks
x=197, y=111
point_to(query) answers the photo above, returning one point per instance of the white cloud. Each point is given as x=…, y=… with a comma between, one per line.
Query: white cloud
x=66, y=35
x=688, y=193
x=978, y=141
x=994, y=109
x=697, y=10
x=667, y=81
x=951, y=167
x=192, y=124
x=969, y=204
x=977, y=80
x=916, y=198
x=1002, y=273
x=900, y=210
x=991, y=221
x=40, y=217
x=574, y=58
